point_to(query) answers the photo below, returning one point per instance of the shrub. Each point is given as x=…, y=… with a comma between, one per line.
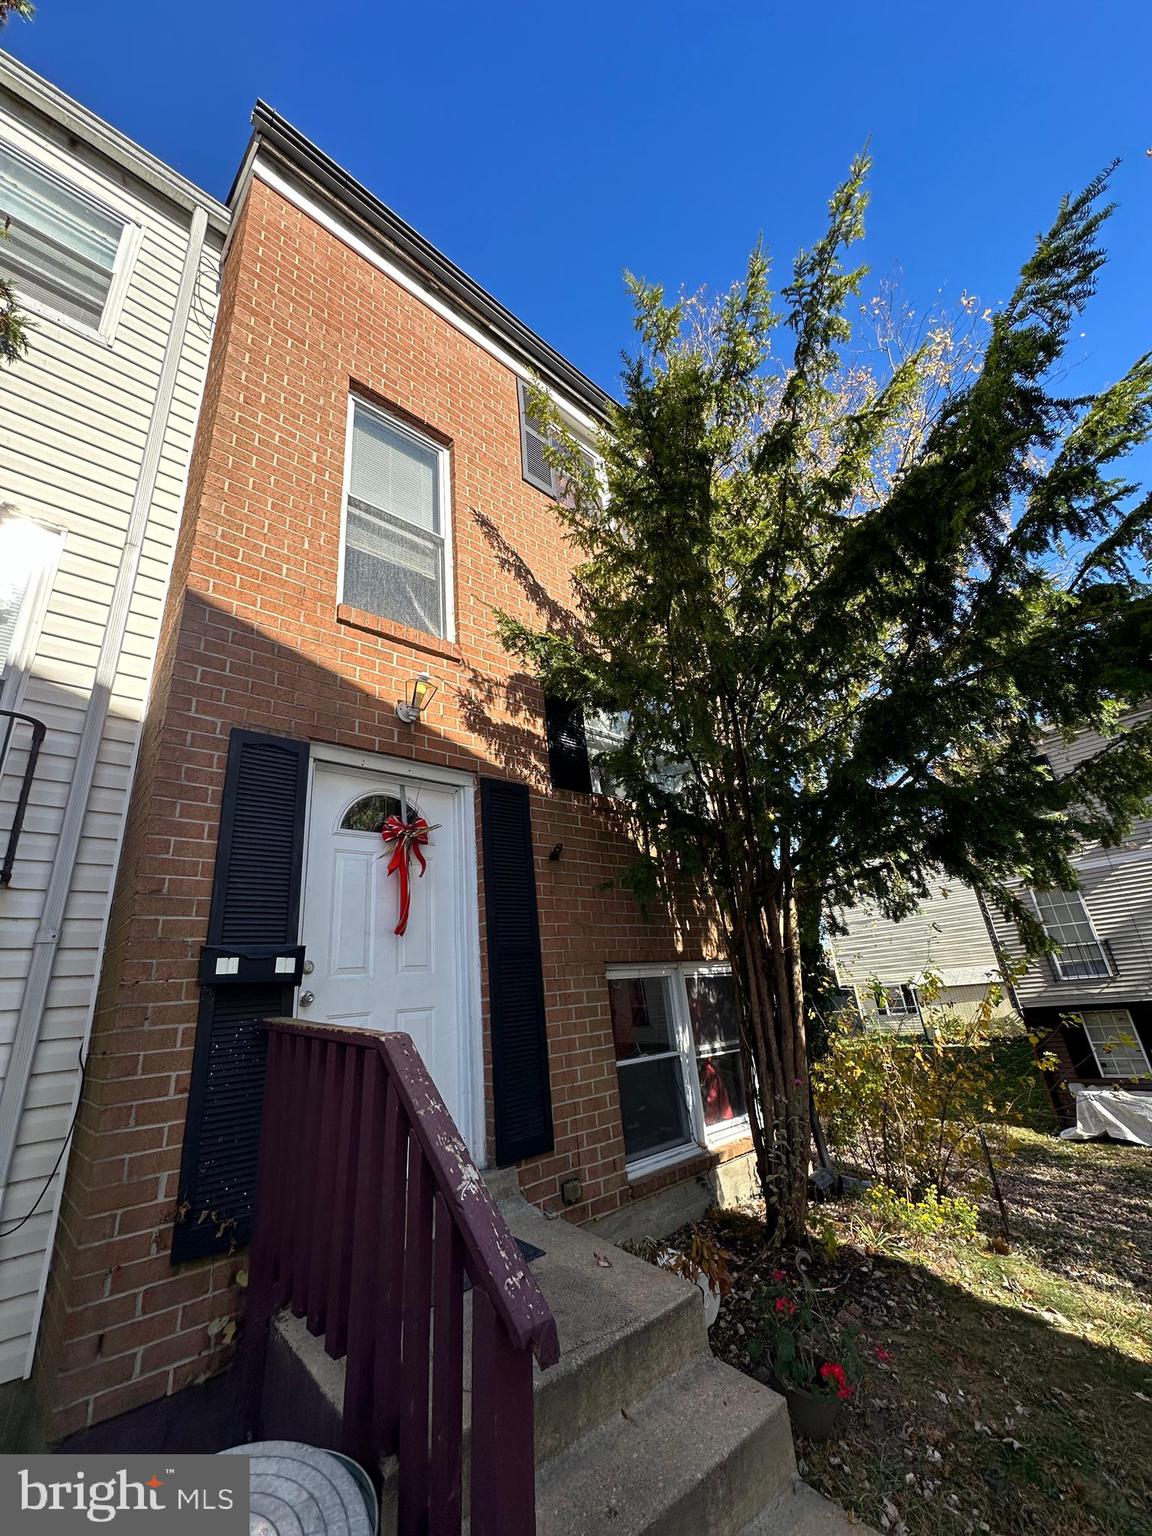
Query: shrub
x=907, y=1108
x=884, y=1218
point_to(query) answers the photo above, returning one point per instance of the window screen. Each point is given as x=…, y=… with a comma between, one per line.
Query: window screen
x=1066, y=920
x=716, y=1028
x=61, y=248
x=649, y=1067
x=394, y=541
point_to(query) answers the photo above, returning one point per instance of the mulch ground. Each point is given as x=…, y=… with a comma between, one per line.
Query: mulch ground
x=1014, y=1391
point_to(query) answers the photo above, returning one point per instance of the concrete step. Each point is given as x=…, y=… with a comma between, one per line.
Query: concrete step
x=801, y=1511
x=639, y=1430
x=700, y=1455
x=624, y=1326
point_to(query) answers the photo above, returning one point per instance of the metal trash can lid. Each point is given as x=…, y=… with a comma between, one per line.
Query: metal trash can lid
x=298, y=1490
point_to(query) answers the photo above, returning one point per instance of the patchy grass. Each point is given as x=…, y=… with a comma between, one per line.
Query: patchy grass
x=1018, y=1397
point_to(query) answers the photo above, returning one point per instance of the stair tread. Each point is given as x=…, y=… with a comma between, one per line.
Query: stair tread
x=703, y=1452
x=801, y=1511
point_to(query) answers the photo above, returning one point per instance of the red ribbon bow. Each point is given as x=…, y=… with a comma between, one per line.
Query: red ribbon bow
x=408, y=837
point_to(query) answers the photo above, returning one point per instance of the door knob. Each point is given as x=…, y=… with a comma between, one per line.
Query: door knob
x=307, y=999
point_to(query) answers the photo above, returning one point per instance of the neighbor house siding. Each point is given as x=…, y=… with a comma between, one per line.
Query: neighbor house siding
x=1116, y=885
x=74, y=419
x=946, y=930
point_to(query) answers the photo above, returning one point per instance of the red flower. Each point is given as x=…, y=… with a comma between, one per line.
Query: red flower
x=883, y=1355
x=833, y=1375
x=779, y=1276
x=785, y=1307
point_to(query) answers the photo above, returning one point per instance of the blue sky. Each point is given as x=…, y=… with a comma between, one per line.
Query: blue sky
x=547, y=148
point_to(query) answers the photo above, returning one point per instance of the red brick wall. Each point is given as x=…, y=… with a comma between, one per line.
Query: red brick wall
x=252, y=638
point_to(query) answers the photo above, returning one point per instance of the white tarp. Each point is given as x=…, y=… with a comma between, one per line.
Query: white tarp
x=1112, y=1112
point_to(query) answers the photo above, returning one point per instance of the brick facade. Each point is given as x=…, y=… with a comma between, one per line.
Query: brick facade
x=253, y=637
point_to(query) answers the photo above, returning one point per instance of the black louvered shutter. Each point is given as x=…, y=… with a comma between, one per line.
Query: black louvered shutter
x=567, y=745
x=521, y=1094
x=255, y=901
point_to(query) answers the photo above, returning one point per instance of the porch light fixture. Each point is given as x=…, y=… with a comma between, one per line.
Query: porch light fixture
x=423, y=690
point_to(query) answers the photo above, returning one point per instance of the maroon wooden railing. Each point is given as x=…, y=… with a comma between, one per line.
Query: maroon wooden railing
x=369, y=1213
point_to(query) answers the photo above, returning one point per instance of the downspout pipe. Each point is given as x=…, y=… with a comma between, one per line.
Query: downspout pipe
x=47, y=940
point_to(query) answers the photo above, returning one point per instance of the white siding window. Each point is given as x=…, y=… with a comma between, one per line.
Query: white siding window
x=677, y=1037
x=1115, y=1043
x=395, y=527
x=897, y=1003
x=1066, y=920
x=63, y=251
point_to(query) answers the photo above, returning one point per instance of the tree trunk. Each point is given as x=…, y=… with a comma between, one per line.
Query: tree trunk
x=765, y=957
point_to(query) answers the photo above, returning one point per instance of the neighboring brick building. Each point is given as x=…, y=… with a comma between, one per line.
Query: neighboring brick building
x=364, y=491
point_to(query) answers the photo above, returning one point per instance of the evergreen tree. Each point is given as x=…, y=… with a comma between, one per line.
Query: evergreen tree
x=838, y=611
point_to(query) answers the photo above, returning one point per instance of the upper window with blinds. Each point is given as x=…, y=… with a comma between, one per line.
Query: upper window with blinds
x=62, y=250
x=395, y=532
x=533, y=445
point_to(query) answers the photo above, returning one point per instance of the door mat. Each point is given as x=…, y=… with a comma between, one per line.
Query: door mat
x=529, y=1250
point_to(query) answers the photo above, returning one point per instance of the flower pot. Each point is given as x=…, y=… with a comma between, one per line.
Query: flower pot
x=813, y=1414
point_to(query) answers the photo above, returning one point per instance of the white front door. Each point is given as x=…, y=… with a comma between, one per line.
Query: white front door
x=363, y=974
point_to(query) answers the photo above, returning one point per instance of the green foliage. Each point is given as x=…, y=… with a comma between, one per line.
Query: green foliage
x=852, y=638
x=910, y=1108
x=13, y=326
x=845, y=591
x=22, y=8
x=883, y=1218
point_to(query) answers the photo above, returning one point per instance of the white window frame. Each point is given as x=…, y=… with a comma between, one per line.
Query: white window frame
x=1109, y=969
x=700, y=1136
x=907, y=991
x=1085, y=1015
x=443, y=459
x=125, y=260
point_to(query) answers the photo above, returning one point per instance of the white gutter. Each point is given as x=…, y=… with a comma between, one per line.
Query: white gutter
x=47, y=940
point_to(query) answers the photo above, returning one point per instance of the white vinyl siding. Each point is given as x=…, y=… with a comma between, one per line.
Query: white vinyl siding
x=1114, y=1042
x=395, y=523
x=946, y=932
x=74, y=417
x=1116, y=887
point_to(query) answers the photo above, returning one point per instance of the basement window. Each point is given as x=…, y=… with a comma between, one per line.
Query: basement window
x=649, y=1067
x=64, y=253
x=897, y=1002
x=1115, y=1043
